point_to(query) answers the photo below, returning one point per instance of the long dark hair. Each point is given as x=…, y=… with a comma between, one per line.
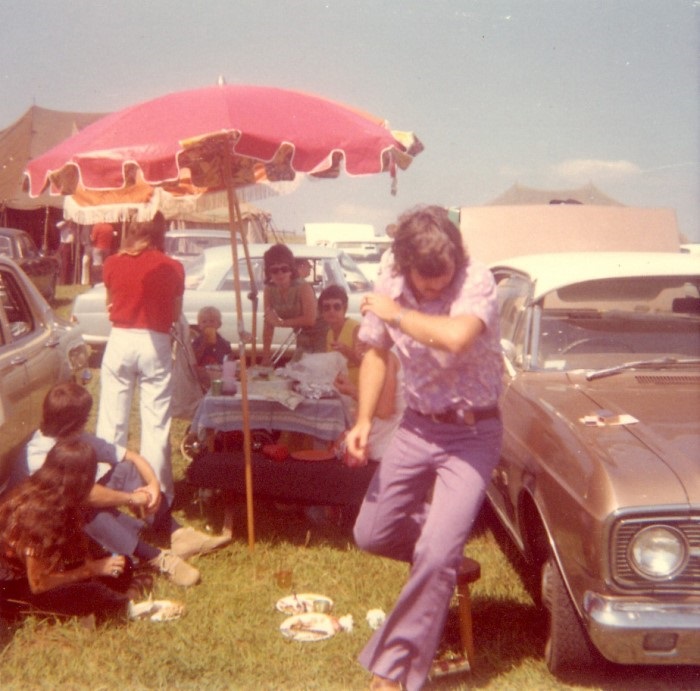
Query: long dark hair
x=44, y=515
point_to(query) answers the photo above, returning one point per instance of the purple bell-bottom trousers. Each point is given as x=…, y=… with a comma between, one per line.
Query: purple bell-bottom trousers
x=400, y=519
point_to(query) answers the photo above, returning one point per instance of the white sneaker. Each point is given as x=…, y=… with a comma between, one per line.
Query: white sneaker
x=188, y=542
x=175, y=569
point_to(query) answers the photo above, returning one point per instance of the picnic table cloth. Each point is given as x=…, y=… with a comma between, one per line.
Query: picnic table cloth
x=324, y=418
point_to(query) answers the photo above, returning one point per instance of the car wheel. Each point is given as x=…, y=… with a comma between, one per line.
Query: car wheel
x=568, y=647
x=190, y=446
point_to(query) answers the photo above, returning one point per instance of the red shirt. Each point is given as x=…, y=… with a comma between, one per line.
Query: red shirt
x=102, y=236
x=142, y=290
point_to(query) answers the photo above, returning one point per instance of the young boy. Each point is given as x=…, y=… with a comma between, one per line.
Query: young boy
x=209, y=347
x=342, y=331
x=124, y=479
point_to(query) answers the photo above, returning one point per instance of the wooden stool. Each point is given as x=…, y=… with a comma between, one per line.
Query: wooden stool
x=469, y=572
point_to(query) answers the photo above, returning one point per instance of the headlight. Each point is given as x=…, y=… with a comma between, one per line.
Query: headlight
x=658, y=552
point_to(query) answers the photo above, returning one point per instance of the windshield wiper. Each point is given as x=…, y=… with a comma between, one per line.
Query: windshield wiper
x=656, y=362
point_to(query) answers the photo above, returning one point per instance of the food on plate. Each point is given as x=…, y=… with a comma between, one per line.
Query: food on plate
x=301, y=603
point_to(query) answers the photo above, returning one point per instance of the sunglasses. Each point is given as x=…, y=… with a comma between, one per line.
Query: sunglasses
x=281, y=269
x=336, y=306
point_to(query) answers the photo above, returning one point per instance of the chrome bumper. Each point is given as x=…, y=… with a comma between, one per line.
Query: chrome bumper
x=644, y=632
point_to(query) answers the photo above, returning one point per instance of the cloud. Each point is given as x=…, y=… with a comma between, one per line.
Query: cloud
x=588, y=169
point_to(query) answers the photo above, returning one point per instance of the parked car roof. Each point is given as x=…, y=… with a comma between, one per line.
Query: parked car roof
x=552, y=271
x=42, y=269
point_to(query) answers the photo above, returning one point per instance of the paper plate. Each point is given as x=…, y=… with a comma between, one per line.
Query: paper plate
x=301, y=603
x=309, y=627
x=313, y=455
x=156, y=610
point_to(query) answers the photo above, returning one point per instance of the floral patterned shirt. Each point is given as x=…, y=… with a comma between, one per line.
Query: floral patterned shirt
x=435, y=380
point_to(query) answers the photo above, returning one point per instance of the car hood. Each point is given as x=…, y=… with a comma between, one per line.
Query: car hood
x=653, y=459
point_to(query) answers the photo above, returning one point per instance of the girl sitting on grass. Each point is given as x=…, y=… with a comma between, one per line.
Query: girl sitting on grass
x=43, y=550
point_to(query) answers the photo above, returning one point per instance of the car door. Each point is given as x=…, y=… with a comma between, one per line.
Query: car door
x=514, y=292
x=29, y=364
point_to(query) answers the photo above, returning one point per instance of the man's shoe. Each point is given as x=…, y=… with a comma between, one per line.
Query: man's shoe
x=175, y=569
x=188, y=542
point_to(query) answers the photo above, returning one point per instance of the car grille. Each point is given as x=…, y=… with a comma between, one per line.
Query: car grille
x=625, y=576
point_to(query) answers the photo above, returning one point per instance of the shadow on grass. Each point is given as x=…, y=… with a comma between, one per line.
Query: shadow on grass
x=274, y=522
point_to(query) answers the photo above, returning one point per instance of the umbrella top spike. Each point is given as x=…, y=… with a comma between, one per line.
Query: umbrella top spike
x=221, y=80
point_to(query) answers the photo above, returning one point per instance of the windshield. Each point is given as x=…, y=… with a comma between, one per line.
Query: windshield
x=181, y=247
x=608, y=322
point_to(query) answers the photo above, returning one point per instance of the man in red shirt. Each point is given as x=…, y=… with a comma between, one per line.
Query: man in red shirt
x=144, y=298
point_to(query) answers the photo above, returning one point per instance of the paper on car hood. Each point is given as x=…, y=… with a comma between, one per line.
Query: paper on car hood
x=666, y=406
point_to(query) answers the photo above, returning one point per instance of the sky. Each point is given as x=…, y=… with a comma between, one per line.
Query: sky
x=551, y=94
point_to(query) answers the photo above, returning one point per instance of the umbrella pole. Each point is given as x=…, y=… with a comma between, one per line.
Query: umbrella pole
x=236, y=226
x=253, y=292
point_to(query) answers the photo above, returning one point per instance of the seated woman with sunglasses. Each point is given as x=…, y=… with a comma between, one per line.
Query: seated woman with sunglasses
x=289, y=302
x=342, y=331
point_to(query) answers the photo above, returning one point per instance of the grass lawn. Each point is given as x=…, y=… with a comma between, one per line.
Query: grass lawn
x=229, y=637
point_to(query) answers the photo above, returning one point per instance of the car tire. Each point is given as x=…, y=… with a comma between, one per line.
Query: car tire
x=568, y=647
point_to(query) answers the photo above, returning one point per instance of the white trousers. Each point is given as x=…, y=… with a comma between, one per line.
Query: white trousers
x=139, y=358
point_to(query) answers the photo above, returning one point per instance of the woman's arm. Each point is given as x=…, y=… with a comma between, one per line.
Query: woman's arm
x=268, y=328
x=41, y=578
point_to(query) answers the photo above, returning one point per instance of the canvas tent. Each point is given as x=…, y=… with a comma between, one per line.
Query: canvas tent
x=41, y=128
x=588, y=194
x=529, y=221
x=36, y=131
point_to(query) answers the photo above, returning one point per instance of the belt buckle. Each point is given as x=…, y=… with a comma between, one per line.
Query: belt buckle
x=466, y=417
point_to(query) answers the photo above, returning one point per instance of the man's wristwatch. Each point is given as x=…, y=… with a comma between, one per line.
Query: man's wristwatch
x=396, y=321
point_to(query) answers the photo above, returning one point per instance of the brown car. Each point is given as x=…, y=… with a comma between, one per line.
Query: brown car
x=599, y=480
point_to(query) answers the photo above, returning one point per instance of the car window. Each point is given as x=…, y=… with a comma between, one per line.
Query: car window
x=17, y=312
x=513, y=292
x=357, y=282
x=228, y=282
x=192, y=246
x=607, y=321
x=25, y=247
x=6, y=247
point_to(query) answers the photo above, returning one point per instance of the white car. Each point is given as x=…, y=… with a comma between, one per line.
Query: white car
x=37, y=350
x=188, y=244
x=209, y=281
